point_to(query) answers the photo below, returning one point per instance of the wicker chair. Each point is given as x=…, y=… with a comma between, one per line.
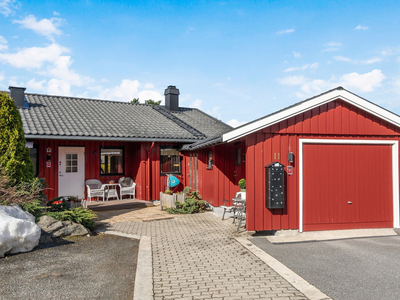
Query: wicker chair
x=127, y=187
x=95, y=189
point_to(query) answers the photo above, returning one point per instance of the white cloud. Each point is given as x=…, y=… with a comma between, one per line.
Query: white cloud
x=33, y=58
x=363, y=62
x=56, y=13
x=129, y=89
x=35, y=85
x=46, y=27
x=293, y=80
x=371, y=60
x=296, y=54
x=342, y=58
x=235, y=123
x=359, y=27
x=6, y=7
x=58, y=87
x=285, y=31
x=367, y=82
x=196, y=104
x=302, y=68
x=3, y=43
x=332, y=46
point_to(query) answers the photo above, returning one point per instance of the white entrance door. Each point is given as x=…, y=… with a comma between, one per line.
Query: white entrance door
x=71, y=171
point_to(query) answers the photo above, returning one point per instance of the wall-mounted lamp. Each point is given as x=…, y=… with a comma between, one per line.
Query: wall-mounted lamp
x=291, y=157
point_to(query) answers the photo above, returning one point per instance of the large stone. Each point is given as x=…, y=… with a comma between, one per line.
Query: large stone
x=54, y=227
x=72, y=230
x=46, y=221
x=18, y=230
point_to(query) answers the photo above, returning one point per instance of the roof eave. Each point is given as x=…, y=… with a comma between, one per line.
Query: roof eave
x=94, y=138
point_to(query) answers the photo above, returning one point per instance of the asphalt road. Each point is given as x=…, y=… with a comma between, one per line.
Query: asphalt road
x=365, y=268
x=97, y=267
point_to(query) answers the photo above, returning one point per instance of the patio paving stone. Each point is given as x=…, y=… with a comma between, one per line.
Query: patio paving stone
x=197, y=257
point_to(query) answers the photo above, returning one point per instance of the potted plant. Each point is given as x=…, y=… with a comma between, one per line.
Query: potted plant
x=242, y=186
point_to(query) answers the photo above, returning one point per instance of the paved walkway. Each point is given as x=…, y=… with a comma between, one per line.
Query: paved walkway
x=198, y=257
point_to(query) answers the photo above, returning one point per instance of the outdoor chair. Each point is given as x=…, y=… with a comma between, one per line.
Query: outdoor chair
x=127, y=187
x=230, y=208
x=95, y=189
x=241, y=213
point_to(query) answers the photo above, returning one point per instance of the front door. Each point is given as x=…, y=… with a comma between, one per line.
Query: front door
x=71, y=171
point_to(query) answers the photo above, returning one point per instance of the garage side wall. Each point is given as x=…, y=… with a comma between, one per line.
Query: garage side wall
x=335, y=120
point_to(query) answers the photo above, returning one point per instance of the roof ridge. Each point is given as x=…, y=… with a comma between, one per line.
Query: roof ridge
x=179, y=122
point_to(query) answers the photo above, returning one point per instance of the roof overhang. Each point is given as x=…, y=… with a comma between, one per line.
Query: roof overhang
x=332, y=95
x=91, y=138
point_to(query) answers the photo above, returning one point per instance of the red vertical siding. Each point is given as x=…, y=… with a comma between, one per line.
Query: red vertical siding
x=335, y=120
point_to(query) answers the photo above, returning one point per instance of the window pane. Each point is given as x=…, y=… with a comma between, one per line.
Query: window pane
x=111, y=161
x=68, y=163
x=74, y=162
x=170, y=161
x=34, y=157
x=68, y=170
x=68, y=156
x=75, y=169
x=74, y=156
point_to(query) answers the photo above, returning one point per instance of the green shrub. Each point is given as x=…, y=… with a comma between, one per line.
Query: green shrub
x=78, y=215
x=35, y=208
x=60, y=206
x=193, y=204
x=21, y=193
x=15, y=161
x=242, y=184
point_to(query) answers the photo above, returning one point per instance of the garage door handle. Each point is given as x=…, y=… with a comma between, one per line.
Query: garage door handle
x=349, y=202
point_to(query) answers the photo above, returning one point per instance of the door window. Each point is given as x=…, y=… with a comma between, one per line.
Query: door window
x=71, y=163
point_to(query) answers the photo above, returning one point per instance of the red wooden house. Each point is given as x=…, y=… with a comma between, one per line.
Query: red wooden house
x=75, y=139
x=339, y=150
x=343, y=165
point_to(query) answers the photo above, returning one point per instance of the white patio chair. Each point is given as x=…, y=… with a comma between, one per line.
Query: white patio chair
x=95, y=189
x=230, y=208
x=127, y=187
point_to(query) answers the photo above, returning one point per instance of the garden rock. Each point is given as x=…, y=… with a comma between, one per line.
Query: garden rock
x=46, y=221
x=18, y=230
x=71, y=230
x=57, y=229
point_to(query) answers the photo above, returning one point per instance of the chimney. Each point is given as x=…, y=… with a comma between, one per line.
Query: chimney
x=172, y=98
x=18, y=94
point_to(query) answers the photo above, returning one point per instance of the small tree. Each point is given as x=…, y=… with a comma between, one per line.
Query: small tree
x=15, y=161
x=152, y=102
x=135, y=100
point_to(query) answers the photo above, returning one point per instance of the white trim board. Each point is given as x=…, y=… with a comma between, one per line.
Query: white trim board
x=395, y=170
x=332, y=95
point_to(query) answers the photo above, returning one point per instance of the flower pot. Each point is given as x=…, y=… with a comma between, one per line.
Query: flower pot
x=243, y=194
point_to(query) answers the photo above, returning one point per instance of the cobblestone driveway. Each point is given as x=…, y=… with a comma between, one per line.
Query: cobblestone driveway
x=197, y=257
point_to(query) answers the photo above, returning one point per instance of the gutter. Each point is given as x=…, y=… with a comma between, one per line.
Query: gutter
x=91, y=138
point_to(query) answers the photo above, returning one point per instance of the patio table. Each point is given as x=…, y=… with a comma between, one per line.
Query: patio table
x=110, y=189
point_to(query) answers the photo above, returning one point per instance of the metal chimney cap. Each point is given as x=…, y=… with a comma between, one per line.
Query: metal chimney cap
x=171, y=89
x=16, y=88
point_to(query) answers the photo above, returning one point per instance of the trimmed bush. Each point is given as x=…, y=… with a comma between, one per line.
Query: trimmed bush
x=15, y=161
x=193, y=204
x=78, y=215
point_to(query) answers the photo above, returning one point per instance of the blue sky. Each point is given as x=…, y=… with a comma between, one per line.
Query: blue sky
x=236, y=60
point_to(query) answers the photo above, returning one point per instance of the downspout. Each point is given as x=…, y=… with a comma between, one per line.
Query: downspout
x=148, y=172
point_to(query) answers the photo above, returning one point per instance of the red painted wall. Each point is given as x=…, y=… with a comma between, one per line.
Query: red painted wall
x=335, y=120
x=221, y=181
x=142, y=163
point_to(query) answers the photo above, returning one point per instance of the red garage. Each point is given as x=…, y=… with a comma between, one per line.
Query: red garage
x=343, y=154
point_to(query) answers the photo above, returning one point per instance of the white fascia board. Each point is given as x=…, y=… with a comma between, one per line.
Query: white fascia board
x=308, y=105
